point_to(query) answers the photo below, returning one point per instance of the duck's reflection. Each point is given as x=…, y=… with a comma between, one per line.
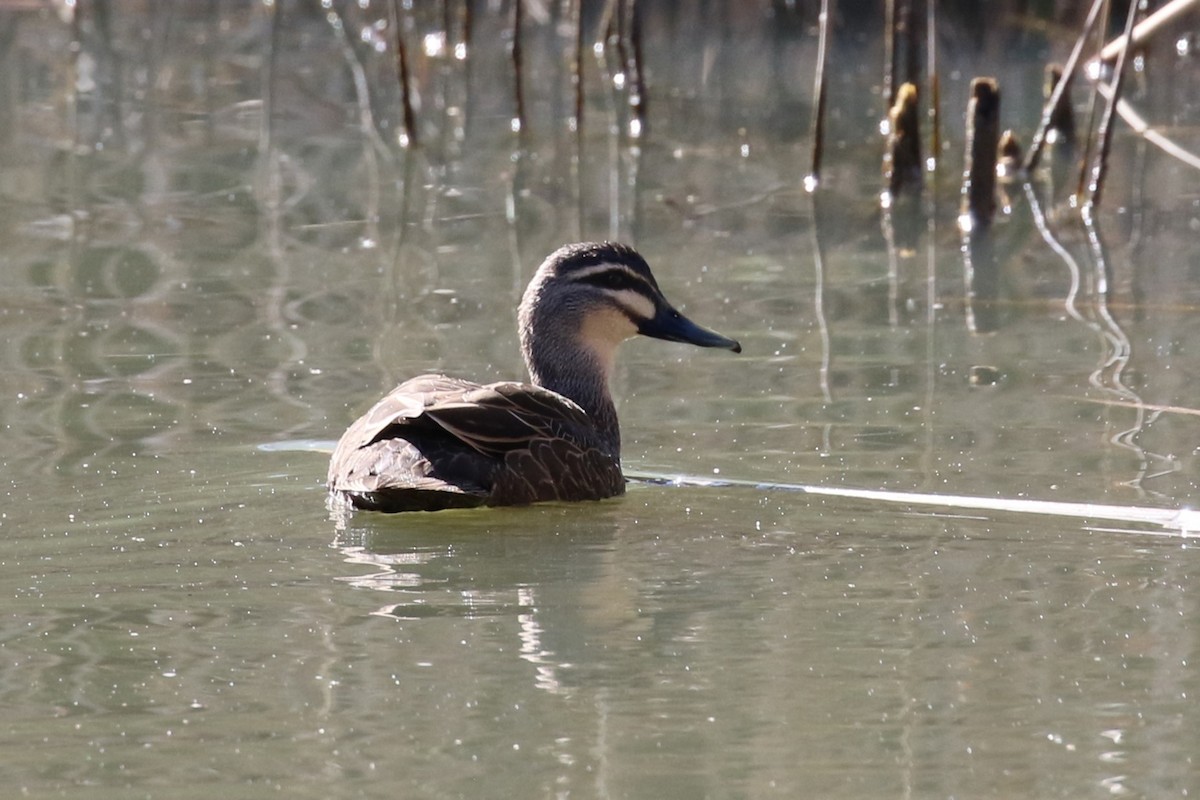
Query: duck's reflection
x=550, y=569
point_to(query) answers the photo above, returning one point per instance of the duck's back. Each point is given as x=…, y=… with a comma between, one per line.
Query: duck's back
x=437, y=442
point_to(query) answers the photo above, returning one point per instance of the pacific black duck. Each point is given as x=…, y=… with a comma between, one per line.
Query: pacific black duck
x=437, y=442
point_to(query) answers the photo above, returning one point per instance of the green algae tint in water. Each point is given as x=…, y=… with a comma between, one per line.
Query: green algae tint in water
x=213, y=254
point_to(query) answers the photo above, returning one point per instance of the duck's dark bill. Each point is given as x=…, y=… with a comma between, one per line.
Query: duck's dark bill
x=669, y=324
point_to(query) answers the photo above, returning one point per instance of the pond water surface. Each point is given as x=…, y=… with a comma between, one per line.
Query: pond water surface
x=214, y=254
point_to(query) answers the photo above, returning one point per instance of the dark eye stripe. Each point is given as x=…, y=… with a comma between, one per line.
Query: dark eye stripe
x=615, y=279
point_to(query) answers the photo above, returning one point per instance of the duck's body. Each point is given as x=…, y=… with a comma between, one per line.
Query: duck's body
x=438, y=442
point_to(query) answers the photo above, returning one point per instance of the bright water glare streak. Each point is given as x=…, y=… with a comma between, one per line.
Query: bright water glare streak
x=1180, y=522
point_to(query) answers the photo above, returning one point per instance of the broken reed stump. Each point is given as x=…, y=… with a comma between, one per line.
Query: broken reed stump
x=409, y=137
x=902, y=168
x=577, y=66
x=1061, y=127
x=983, y=139
x=979, y=205
x=517, y=53
x=1009, y=166
x=813, y=179
x=1010, y=169
x=637, y=65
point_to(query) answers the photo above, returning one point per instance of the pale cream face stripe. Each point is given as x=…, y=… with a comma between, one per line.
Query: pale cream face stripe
x=586, y=272
x=636, y=304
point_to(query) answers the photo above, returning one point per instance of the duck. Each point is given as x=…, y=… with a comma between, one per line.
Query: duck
x=437, y=442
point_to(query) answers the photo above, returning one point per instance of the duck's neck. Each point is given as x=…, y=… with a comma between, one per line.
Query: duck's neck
x=580, y=375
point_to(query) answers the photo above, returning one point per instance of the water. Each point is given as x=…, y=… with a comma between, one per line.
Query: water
x=209, y=269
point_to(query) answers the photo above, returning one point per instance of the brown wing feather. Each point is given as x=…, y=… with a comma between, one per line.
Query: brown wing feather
x=554, y=469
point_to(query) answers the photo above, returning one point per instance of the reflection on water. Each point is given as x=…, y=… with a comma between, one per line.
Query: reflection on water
x=215, y=252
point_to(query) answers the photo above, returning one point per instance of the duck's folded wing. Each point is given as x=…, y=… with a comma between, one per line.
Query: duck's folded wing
x=501, y=417
x=405, y=403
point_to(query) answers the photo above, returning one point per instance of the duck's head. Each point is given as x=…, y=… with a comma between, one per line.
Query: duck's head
x=585, y=299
